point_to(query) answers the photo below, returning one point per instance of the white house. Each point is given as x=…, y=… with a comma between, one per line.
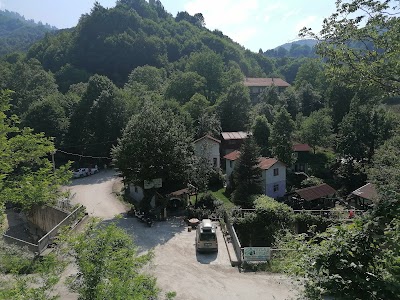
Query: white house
x=273, y=174
x=137, y=194
x=273, y=177
x=208, y=147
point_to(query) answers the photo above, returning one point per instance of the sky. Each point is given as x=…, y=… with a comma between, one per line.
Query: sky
x=254, y=24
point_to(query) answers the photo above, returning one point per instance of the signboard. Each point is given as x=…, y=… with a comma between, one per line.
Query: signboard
x=256, y=253
x=148, y=184
x=155, y=183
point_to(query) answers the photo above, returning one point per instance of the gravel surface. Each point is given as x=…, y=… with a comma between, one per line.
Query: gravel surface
x=177, y=265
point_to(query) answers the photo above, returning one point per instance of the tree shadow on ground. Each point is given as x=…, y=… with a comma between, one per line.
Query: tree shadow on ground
x=100, y=177
x=146, y=237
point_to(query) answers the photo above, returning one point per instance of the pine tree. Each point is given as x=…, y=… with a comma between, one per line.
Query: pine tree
x=247, y=174
x=281, y=137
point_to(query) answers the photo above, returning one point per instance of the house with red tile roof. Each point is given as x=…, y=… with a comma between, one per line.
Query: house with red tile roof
x=273, y=173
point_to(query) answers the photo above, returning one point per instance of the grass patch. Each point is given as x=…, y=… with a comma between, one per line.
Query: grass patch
x=221, y=195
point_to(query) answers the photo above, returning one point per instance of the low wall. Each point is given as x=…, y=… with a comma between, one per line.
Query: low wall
x=12, y=240
x=234, y=238
x=68, y=220
x=46, y=217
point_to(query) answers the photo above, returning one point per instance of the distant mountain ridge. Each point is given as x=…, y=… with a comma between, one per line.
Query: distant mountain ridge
x=304, y=42
x=18, y=34
x=299, y=48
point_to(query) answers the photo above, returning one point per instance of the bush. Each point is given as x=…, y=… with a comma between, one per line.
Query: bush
x=261, y=227
x=216, y=179
x=305, y=220
x=208, y=201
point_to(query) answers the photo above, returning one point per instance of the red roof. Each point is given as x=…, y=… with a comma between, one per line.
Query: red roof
x=367, y=191
x=208, y=137
x=237, y=135
x=264, y=82
x=316, y=192
x=301, y=148
x=266, y=162
x=233, y=155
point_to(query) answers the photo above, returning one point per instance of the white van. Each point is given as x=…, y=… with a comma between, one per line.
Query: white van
x=206, y=236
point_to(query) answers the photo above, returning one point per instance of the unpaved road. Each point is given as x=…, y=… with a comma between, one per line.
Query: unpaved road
x=176, y=265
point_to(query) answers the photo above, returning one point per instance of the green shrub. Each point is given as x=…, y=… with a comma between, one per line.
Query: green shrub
x=305, y=220
x=261, y=227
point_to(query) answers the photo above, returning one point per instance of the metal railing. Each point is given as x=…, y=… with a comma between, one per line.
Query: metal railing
x=346, y=214
x=49, y=237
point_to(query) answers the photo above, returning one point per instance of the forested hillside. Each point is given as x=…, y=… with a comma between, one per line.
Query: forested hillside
x=18, y=34
x=133, y=86
x=112, y=42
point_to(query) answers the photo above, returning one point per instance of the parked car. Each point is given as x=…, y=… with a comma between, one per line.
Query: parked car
x=206, y=236
x=94, y=170
x=82, y=172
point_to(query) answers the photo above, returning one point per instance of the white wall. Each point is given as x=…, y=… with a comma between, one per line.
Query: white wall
x=268, y=175
x=137, y=194
x=208, y=148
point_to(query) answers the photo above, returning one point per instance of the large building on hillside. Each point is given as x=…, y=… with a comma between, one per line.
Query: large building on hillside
x=258, y=85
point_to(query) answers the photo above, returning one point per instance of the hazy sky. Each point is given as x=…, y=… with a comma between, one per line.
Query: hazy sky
x=253, y=23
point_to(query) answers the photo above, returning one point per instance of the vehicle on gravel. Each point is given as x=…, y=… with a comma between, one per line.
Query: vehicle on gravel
x=83, y=172
x=206, y=236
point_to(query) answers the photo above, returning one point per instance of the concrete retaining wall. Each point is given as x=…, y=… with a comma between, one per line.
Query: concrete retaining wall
x=46, y=217
x=234, y=239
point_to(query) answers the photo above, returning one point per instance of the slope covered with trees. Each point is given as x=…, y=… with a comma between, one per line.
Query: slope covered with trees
x=18, y=34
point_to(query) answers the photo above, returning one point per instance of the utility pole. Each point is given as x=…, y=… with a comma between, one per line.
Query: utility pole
x=52, y=159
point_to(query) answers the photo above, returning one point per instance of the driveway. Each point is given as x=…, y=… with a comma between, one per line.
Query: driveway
x=177, y=265
x=96, y=193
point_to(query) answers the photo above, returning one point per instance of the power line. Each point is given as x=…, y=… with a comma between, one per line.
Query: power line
x=100, y=143
x=84, y=156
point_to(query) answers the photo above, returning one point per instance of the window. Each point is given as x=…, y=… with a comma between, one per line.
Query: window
x=136, y=189
x=276, y=172
x=215, y=161
x=230, y=164
x=276, y=187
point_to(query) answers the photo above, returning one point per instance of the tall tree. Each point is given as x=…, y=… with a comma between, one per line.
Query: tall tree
x=316, y=130
x=151, y=77
x=27, y=177
x=234, y=108
x=262, y=133
x=361, y=42
x=310, y=100
x=363, y=129
x=182, y=86
x=154, y=144
x=281, y=137
x=209, y=65
x=110, y=266
x=101, y=101
x=247, y=174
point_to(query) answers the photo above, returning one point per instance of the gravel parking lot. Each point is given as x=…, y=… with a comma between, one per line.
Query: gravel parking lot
x=177, y=265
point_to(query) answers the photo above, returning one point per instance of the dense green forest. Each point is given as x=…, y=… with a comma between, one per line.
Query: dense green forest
x=18, y=34
x=133, y=85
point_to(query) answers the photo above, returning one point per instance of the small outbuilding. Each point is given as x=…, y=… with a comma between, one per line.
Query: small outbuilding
x=364, y=197
x=322, y=196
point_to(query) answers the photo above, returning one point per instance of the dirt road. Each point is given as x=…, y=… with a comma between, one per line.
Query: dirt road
x=96, y=193
x=176, y=265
